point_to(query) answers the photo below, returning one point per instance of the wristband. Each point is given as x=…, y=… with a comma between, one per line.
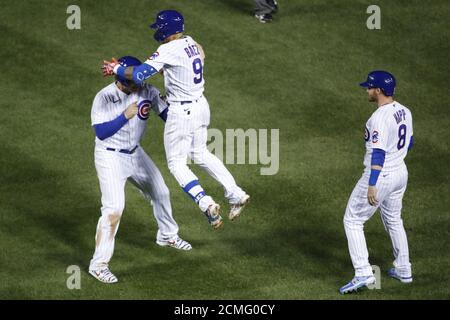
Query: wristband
x=119, y=70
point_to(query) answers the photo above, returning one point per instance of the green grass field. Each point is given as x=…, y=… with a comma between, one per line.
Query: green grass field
x=299, y=74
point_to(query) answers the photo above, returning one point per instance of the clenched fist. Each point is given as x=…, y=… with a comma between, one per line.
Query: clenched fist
x=131, y=111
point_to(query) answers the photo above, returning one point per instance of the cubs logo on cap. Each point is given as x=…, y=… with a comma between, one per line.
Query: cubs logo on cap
x=144, y=109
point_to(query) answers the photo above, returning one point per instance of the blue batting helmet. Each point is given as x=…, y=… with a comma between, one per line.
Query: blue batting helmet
x=127, y=61
x=168, y=22
x=380, y=79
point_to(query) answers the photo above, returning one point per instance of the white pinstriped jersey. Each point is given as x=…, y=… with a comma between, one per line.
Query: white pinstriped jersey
x=390, y=129
x=110, y=102
x=183, y=69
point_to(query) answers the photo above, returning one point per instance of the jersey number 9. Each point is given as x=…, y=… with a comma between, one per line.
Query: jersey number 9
x=198, y=70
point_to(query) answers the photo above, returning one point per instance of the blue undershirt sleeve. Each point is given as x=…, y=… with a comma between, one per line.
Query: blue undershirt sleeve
x=143, y=72
x=411, y=143
x=140, y=73
x=378, y=157
x=107, y=129
x=163, y=114
x=374, y=174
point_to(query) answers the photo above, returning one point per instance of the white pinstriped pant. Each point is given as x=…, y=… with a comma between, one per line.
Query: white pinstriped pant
x=186, y=134
x=390, y=189
x=113, y=170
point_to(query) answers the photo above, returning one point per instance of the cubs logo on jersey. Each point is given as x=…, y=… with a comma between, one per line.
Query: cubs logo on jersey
x=144, y=109
x=375, y=137
x=154, y=56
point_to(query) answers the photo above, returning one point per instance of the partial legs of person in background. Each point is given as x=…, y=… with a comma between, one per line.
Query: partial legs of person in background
x=264, y=10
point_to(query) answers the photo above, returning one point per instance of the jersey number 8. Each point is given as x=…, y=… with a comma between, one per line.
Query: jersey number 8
x=198, y=70
x=401, y=136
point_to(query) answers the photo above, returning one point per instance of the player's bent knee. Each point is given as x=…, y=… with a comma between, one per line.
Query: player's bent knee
x=198, y=158
x=350, y=222
x=392, y=222
x=175, y=166
x=346, y=221
x=114, y=218
x=162, y=194
x=110, y=219
x=113, y=211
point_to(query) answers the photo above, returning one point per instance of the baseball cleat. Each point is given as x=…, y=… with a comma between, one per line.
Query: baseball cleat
x=236, y=209
x=176, y=243
x=357, y=283
x=394, y=274
x=213, y=215
x=104, y=275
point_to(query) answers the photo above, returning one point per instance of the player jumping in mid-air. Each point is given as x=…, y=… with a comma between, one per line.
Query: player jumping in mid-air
x=388, y=137
x=185, y=134
x=118, y=158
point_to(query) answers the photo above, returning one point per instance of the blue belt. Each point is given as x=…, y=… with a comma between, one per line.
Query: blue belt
x=123, y=150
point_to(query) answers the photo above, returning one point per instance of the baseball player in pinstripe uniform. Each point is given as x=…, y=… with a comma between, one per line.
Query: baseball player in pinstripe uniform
x=185, y=135
x=119, y=116
x=388, y=137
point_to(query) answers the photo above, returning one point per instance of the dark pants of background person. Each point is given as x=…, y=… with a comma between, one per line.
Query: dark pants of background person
x=263, y=7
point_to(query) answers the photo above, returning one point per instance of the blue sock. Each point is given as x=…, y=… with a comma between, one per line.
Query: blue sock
x=194, y=190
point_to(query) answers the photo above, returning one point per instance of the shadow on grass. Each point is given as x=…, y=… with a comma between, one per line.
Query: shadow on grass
x=50, y=209
x=51, y=217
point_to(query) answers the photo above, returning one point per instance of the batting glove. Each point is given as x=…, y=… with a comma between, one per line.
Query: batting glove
x=109, y=67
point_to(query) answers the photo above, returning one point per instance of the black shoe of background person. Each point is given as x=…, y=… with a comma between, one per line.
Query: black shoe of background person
x=264, y=18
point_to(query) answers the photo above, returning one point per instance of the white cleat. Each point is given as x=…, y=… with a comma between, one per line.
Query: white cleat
x=104, y=275
x=236, y=209
x=394, y=274
x=357, y=283
x=213, y=215
x=176, y=243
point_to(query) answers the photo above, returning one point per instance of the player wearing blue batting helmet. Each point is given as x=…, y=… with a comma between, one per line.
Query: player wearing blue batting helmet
x=382, y=80
x=168, y=22
x=128, y=61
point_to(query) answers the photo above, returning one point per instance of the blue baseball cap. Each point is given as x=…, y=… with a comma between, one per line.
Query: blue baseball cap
x=380, y=79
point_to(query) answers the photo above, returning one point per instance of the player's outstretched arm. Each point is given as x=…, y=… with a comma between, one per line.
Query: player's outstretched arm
x=138, y=74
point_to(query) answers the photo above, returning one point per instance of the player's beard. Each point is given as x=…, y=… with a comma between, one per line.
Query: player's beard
x=132, y=87
x=373, y=97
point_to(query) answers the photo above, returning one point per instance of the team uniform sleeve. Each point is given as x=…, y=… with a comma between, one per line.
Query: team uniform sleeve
x=98, y=110
x=103, y=125
x=163, y=57
x=379, y=133
x=151, y=66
